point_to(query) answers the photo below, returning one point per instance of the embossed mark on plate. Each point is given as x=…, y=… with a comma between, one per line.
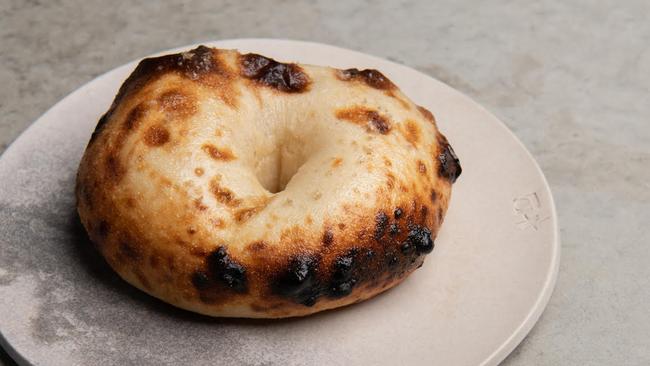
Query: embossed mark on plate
x=528, y=209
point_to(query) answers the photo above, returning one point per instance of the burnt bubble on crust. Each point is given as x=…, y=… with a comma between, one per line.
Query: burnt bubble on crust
x=299, y=281
x=227, y=270
x=393, y=229
x=343, y=281
x=419, y=239
x=381, y=222
x=449, y=167
x=193, y=64
x=370, y=77
x=221, y=270
x=289, y=78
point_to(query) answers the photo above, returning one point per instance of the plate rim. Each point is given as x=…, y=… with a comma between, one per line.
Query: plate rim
x=543, y=298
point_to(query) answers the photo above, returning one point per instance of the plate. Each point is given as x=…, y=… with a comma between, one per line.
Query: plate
x=477, y=296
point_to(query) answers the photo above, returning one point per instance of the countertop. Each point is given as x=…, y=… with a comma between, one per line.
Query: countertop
x=570, y=78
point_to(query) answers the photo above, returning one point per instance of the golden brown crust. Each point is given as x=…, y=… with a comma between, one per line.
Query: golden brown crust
x=167, y=191
x=370, y=119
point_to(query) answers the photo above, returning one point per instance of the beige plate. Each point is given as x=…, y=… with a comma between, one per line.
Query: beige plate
x=476, y=297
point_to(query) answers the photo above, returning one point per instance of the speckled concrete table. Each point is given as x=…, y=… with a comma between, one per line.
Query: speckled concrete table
x=570, y=78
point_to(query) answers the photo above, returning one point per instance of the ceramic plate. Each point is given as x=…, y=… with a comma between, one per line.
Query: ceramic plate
x=476, y=297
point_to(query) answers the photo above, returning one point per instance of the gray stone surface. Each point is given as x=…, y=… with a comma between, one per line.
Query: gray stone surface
x=570, y=78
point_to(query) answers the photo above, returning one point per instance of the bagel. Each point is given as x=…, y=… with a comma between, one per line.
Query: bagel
x=234, y=185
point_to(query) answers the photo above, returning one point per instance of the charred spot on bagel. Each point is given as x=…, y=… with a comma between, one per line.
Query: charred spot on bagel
x=194, y=65
x=343, y=281
x=222, y=154
x=368, y=118
x=379, y=123
x=220, y=271
x=299, y=280
x=370, y=77
x=427, y=114
x=381, y=222
x=226, y=270
x=156, y=135
x=288, y=78
x=222, y=194
x=393, y=229
x=420, y=238
x=449, y=164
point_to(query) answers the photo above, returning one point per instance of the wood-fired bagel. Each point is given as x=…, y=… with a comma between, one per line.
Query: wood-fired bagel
x=234, y=185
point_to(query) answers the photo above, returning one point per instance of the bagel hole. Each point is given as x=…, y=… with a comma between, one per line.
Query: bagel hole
x=276, y=170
